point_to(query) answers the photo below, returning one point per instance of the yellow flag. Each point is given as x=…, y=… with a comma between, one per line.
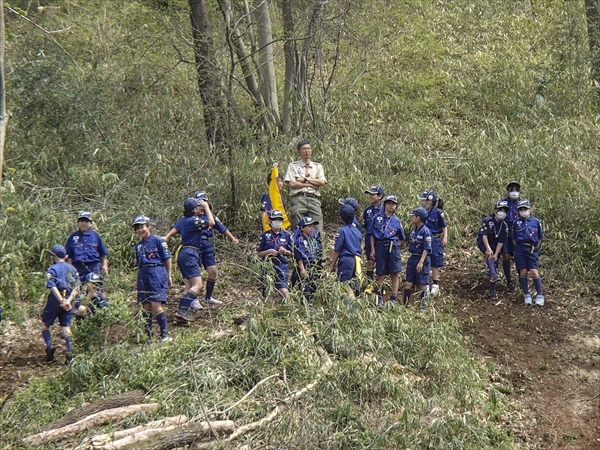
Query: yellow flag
x=275, y=201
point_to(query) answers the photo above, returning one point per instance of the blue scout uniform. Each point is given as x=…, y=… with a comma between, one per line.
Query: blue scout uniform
x=420, y=240
x=435, y=223
x=368, y=215
x=207, y=248
x=497, y=233
x=193, y=242
x=527, y=234
x=310, y=251
x=65, y=278
x=85, y=251
x=347, y=244
x=387, y=231
x=152, y=278
x=272, y=240
x=511, y=217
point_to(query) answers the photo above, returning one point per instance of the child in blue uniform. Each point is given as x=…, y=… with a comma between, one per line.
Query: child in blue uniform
x=85, y=248
x=527, y=235
x=376, y=193
x=513, y=189
x=306, y=241
x=275, y=247
x=265, y=201
x=63, y=281
x=436, y=223
x=386, y=235
x=154, y=276
x=418, y=265
x=191, y=226
x=492, y=239
x=346, y=250
x=208, y=251
x=86, y=303
x=351, y=201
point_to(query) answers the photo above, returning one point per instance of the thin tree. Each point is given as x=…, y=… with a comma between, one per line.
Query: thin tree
x=3, y=114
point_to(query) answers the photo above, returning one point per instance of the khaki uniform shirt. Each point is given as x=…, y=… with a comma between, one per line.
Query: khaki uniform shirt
x=298, y=169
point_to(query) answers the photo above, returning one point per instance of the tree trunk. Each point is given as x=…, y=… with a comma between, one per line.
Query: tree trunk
x=208, y=81
x=3, y=115
x=265, y=55
x=592, y=13
x=289, y=49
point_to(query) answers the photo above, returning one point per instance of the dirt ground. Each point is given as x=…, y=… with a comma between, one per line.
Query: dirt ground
x=548, y=358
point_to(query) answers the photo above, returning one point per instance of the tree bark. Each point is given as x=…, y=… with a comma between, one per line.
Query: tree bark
x=592, y=13
x=3, y=115
x=289, y=49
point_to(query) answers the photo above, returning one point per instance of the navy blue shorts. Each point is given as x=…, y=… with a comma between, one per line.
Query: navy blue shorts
x=189, y=260
x=346, y=268
x=387, y=262
x=525, y=259
x=483, y=249
x=368, y=247
x=418, y=278
x=437, y=252
x=53, y=310
x=510, y=248
x=152, y=284
x=208, y=254
x=281, y=274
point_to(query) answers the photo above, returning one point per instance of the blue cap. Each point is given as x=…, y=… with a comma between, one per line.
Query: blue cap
x=390, y=198
x=190, y=204
x=501, y=204
x=305, y=221
x=375, y=189
x=346, y=211
x=140, y=220
x=85, y=215
x=421, y=213
x=349, y=201
x=201, y=195
x=513, y=183
x=275, y=214
x=93, y=278
x=59, y=250
x=524, y=204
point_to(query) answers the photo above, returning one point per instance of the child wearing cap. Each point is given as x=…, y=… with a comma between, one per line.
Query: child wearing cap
x=274, y=248
x=308, y=252
x=492, y=239
x=436, y=223
x=63, y=281
x=207, y=249
x=191, y=226
x=513, y=190
x=376, y=193
x=418, y=266
x=265, y=200
x=346, y=250
x=386, y=234
x=154, y=276
x=93, y=297
x=85, y=248
x=527, y=235
x=351, y=201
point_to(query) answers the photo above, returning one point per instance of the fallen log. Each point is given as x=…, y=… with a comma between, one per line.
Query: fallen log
x=99, y=418
x=101, y=439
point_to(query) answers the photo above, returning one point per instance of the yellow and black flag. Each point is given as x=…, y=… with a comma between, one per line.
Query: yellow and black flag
x=272, y=199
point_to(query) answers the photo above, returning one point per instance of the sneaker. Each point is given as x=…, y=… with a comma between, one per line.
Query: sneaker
x=196, y=306
x=393, y=303
x=166, y=338
x=379, y=302
x=539, y=300
x=50, y=353
x=435, y=289
x=527, y=300
x=212, y=301
x=494, y=277
x=183, y=316
x=511, y=286
x=69, y=356
x=494, y=295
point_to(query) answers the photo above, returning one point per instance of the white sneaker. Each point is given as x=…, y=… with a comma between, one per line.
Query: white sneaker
x=196, y=305
x=212, y=301
x=539, y=300
x=527, y=300
x=166, y=338
x=435, y=289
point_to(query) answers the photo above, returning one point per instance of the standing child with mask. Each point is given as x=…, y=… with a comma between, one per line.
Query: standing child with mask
x=436, y=223
x=85, y=248
x=275, y=247
x=513, y=189
x=308, y=252
x=492, y=239
x=527, y=235
x=418, y=265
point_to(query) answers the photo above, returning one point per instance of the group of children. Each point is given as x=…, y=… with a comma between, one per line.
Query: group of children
x=383, y=235
x=510, y=231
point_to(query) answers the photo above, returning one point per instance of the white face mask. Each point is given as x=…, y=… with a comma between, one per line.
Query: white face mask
x=514, y=195
x=276, y=224
x=501, y=215
x=524, y=213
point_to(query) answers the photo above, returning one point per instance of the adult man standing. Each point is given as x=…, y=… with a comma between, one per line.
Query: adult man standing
x=305, y=178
